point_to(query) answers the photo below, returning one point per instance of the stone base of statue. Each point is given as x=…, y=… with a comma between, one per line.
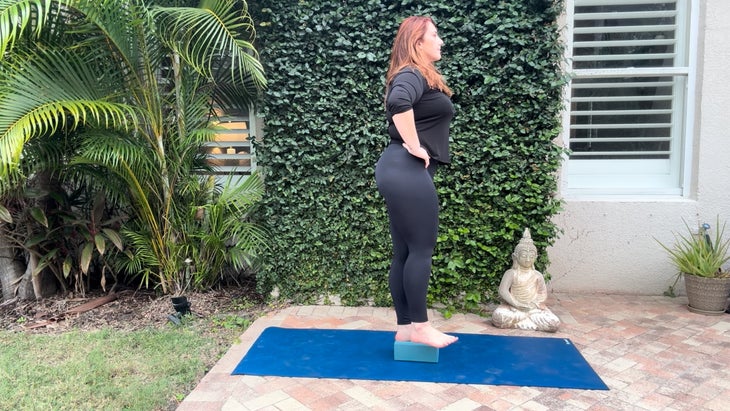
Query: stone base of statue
x=534, y=320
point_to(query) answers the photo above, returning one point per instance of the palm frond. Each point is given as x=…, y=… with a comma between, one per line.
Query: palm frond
x=115, y=25
x=243, y=192
x=116, y=152
x=211, y=35
x=49, y=90
x=19, y=17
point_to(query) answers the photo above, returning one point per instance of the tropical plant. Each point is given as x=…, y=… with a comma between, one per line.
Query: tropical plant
x=65, y=236
x=60, y=219
x=698, y=253
x=220, y=232
x=136, y=82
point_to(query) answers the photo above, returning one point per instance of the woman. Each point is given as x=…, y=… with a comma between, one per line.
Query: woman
x=419, y=111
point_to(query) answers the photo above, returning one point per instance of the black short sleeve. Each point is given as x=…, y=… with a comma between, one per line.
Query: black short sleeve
x=405, y=91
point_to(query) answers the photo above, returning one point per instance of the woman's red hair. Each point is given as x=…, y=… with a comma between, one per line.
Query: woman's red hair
x=405, y=53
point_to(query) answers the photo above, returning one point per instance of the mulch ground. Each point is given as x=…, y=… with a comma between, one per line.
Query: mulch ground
x=124, y=310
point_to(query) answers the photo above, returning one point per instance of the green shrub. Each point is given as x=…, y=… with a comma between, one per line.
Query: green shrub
x=325, y=129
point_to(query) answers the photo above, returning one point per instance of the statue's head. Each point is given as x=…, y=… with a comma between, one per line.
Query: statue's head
x=525, y=252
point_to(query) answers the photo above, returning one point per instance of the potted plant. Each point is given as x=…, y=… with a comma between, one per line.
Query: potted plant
x=700, y=257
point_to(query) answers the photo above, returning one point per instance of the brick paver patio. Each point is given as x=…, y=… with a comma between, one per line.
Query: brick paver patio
x=651, y=352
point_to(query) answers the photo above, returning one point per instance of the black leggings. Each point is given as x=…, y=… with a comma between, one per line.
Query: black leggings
x=413, y=207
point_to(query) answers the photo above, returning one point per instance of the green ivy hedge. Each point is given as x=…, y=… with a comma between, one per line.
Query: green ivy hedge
x=324, y=129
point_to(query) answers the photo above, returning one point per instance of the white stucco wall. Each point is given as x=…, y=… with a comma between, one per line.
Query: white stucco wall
x=608, y=244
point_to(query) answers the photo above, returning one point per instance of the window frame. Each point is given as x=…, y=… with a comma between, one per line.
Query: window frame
x=233, y=144
x=671, y=177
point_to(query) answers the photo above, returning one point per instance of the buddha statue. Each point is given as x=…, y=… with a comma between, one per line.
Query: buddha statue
x=523, y=292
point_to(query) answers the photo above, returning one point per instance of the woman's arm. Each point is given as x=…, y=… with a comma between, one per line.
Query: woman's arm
x=405, y=123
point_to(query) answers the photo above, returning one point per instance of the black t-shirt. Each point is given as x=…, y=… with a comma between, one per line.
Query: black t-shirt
x=432, y=110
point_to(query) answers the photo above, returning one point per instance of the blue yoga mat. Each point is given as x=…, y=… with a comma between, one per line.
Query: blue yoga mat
x=368, y=355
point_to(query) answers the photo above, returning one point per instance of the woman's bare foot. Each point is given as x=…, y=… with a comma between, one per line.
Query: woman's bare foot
x=424, y=333
x=403, y=333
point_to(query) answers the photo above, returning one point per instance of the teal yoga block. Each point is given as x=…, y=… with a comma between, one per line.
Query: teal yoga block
x=409, y=351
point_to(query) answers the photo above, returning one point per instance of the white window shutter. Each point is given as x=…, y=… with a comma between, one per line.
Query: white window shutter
x=628, y=102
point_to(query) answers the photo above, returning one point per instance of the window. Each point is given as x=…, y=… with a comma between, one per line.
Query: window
x=232, y=152
x=629, y=110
